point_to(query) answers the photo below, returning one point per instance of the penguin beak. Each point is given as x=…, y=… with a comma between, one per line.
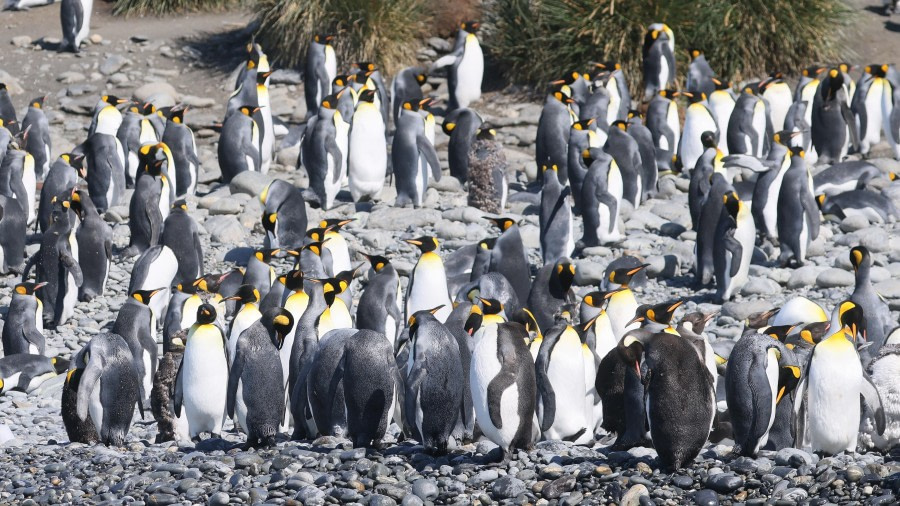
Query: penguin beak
x=635, y=320
x=39, y=285
x=637, y=368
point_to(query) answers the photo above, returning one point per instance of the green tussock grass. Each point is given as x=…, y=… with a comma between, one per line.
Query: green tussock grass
x=386, y=32
x=161, y=7
x=536, y=41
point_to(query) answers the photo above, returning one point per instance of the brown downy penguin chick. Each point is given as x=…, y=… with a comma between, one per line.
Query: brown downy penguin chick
x=487, y=172
x=169, y=426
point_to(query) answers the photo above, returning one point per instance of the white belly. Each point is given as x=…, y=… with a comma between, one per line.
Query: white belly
x=567, y=377
x=759, y=127
x=205, y=383
x=833, y=401
x=148, y=373
x=484, y=368
x=429, y=290
x=95, y=408
x=873, y=105
x=86, y=25
x=368, y=154
x=674, y=123
x=696, y=121
x=772, y=375
x=612, y=111
x=248, y=315
x=722, y=105
x=469, y=75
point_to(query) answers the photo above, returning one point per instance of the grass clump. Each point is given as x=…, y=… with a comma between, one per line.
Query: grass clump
x=161, y=7
x=538, y=40
x=386, y=32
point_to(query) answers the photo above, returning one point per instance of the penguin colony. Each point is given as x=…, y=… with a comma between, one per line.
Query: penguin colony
x=476, y=345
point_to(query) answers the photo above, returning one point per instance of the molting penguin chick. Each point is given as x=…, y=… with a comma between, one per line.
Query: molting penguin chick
x=488, y=187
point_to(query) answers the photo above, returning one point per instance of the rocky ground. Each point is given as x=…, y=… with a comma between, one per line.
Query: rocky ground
x=143, y=57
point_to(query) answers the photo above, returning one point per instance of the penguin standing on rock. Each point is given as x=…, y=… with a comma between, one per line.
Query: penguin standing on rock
x=180, y=139
x=556, y=222
x=427, y=286
x=379, y=306
x=562, y=408
x=552, y=142
x=22, y=326
x=698, y=118
x=601, y=194
x=78, y=430
x=181, y=234
x=833, y=127
x=462, y=126
x=75, y=16
x=284, y=215
x=879, y=322
x=434, y=384
x=503, y=385
x=733, y=247
x=58, y=267
x=320, y=70
x=659, y=59
x=798, y=216
x=239, y=144
x=760, y=371
x=367, y=162
x=12, y=235
x=324, y=151
x=412, y=154
x=624, y=150
x=105, y=160
x=169, y=426
x=372, y=386
x=665, y=126
x=201, y=388
x=60, y=180
x=38, y=141
x=551, y=291
x=94, y=238
x=136, y=324
x=509, y=259
x=145, y=219
x=680, y=396
x=256, y=370
x=488, y=184
x=108, y=388
x=466, y=64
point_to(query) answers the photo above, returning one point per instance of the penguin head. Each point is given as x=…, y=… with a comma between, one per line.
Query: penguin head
x=113, y=100
x=631, y=347
x=340, y=81
x=176, y=114
x=378, y=262
x=721, y=85
x=2, y=385
x=473, y=322
x=317, y=234
x=708, y=139
x=421, y=77
x=470, y=26
x=144, y=296
x=760, y=319
x=528, y=319
x=335, y=224
x=448, y=126
x=877, y=70
x=367, y=95
x=209, y=283
x=564, y=271
x=265, y=255
x=280, y=322
x=261, y=77
x=812, y=333
x=78, y=202
x=595, y=299
x=860, y=258
x=490, y=306
x=797, y=151
x=813, y=71
x=416, y=319
x=623, y=275
x=696, y=321
x=246, y=294
x=835, y=83
x=732, y=204
x=695, y=53
x=180, y=205
x=28, y=288
x=315, y=247
x=188, y=288
x=323, y=38
x=330, y=102
x=620, y=125
x=501, y=222
x=779, y=332
x=788, y=379
x=293, y=280
x=150, y=159
x=206, y=314
x=562, y=92
x=364, y=66
x=268, y=221
x=851, y=317
x=694, y=96
x=668, y=93
x=658, y=313
x=344, y=278
x=411, y=105
x=425, y=243
x=486, y=133
x=60, y=364
x=38, y=103
x=330, y=290
x=248, y=110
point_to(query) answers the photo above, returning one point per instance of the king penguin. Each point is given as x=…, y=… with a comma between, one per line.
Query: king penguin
x=556, y=222
x=379, y=306
x=551, y=292
x=698, y=118
x=320, y=69
x=75, y=17
x=733, y=247
x=367, y=162
x=798, y=216
x=94, y=238
x=22, y=327
x=239, y=147
x=181, y=235
x=201, y=388
x=412, y=154
x=38, y=142
x=659, y=59
x=466, y=70
x=136, y=324
x=427, y=287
